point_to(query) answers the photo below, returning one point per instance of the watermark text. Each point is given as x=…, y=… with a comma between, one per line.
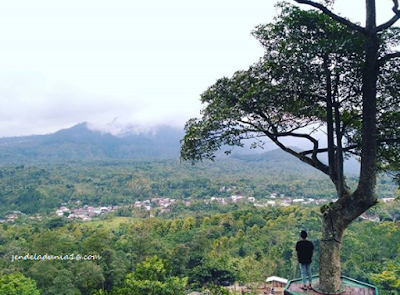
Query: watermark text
x=54, y=257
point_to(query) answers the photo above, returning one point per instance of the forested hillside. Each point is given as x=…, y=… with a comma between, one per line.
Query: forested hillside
x=202, y=248
x=194, y=244
x=44, y=187
x=80, y=143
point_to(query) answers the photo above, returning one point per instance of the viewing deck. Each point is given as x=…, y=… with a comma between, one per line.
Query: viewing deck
x=349, y=287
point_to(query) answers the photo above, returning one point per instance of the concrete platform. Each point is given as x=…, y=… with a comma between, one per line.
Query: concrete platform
x=349, y=287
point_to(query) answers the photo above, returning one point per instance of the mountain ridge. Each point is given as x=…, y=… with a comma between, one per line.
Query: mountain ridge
x=82, y=143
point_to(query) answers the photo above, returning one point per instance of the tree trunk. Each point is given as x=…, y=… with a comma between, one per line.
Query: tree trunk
x=329, y=260
x=335, y=220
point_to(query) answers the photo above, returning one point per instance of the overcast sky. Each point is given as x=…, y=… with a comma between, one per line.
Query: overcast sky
x=143, y=62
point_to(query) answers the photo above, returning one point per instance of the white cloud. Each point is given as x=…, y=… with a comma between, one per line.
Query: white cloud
x=64, y=62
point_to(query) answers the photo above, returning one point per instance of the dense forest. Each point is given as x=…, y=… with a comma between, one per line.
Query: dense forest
x=190, y=248
x=42, y=188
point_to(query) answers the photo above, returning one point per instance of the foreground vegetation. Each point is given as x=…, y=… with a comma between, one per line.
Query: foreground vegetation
x=188, y=247
x=192, y=250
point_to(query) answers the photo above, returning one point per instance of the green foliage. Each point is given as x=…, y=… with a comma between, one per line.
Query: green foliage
x=114, y=183
x=389, y=279
x=89, y=276
x=218, y=290
x=311, y=64
x=63, y=284
x=152, y=277
x=284, y=91
x=17, y=284
x=213, y=272
x=216, y=247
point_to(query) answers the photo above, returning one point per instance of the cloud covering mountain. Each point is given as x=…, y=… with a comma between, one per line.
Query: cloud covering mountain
x=81, y=143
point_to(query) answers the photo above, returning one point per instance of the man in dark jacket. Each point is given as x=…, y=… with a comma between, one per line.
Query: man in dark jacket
x=305, y=250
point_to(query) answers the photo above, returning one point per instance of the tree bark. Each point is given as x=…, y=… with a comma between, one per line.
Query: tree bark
x=329, y=260
x=335, y=221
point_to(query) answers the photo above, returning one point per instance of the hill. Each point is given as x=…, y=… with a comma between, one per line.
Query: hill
x=284, y=161
x=80, y=143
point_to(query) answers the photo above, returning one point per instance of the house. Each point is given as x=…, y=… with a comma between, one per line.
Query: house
x=387, y=200
x=276, y=282
x=236, y=198
x=296, y=201
x=12, y=217
x=372, y=218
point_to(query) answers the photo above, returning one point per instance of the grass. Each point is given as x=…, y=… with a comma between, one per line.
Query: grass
x=112, y=223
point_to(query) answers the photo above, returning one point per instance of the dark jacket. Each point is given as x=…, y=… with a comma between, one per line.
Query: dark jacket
x=305, y=251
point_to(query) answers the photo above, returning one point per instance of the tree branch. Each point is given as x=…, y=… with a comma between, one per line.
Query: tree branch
x=324, y=150
x=396, y=7
x=389, y=140
x=388, y=24
x=314, y=162
x=334, y=16
x=388, y=57
x=352, y=147
x=274, y=136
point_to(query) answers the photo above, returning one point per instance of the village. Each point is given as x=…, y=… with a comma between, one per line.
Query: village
x=87, y=213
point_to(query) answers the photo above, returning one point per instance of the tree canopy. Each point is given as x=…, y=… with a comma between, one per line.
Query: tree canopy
x=153, y=277
x=17, y=284
x=309, y=78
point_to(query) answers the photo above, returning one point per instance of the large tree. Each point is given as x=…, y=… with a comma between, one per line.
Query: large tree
x=320, y=72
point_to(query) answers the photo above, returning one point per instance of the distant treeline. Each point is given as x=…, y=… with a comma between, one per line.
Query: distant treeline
x=42, y=188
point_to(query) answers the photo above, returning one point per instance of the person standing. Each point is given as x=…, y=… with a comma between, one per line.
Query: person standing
x=305, y=250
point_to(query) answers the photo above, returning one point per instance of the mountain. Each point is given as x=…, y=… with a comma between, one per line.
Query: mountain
x=81, y=143
x=279, y=158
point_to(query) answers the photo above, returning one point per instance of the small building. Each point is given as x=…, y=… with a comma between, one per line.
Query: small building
x=388, y=200
x=236, y=198
x=12, y=217
x=277, y=282
x=297, y=201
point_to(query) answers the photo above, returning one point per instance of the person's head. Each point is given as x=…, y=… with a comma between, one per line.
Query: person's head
x=303, y=234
